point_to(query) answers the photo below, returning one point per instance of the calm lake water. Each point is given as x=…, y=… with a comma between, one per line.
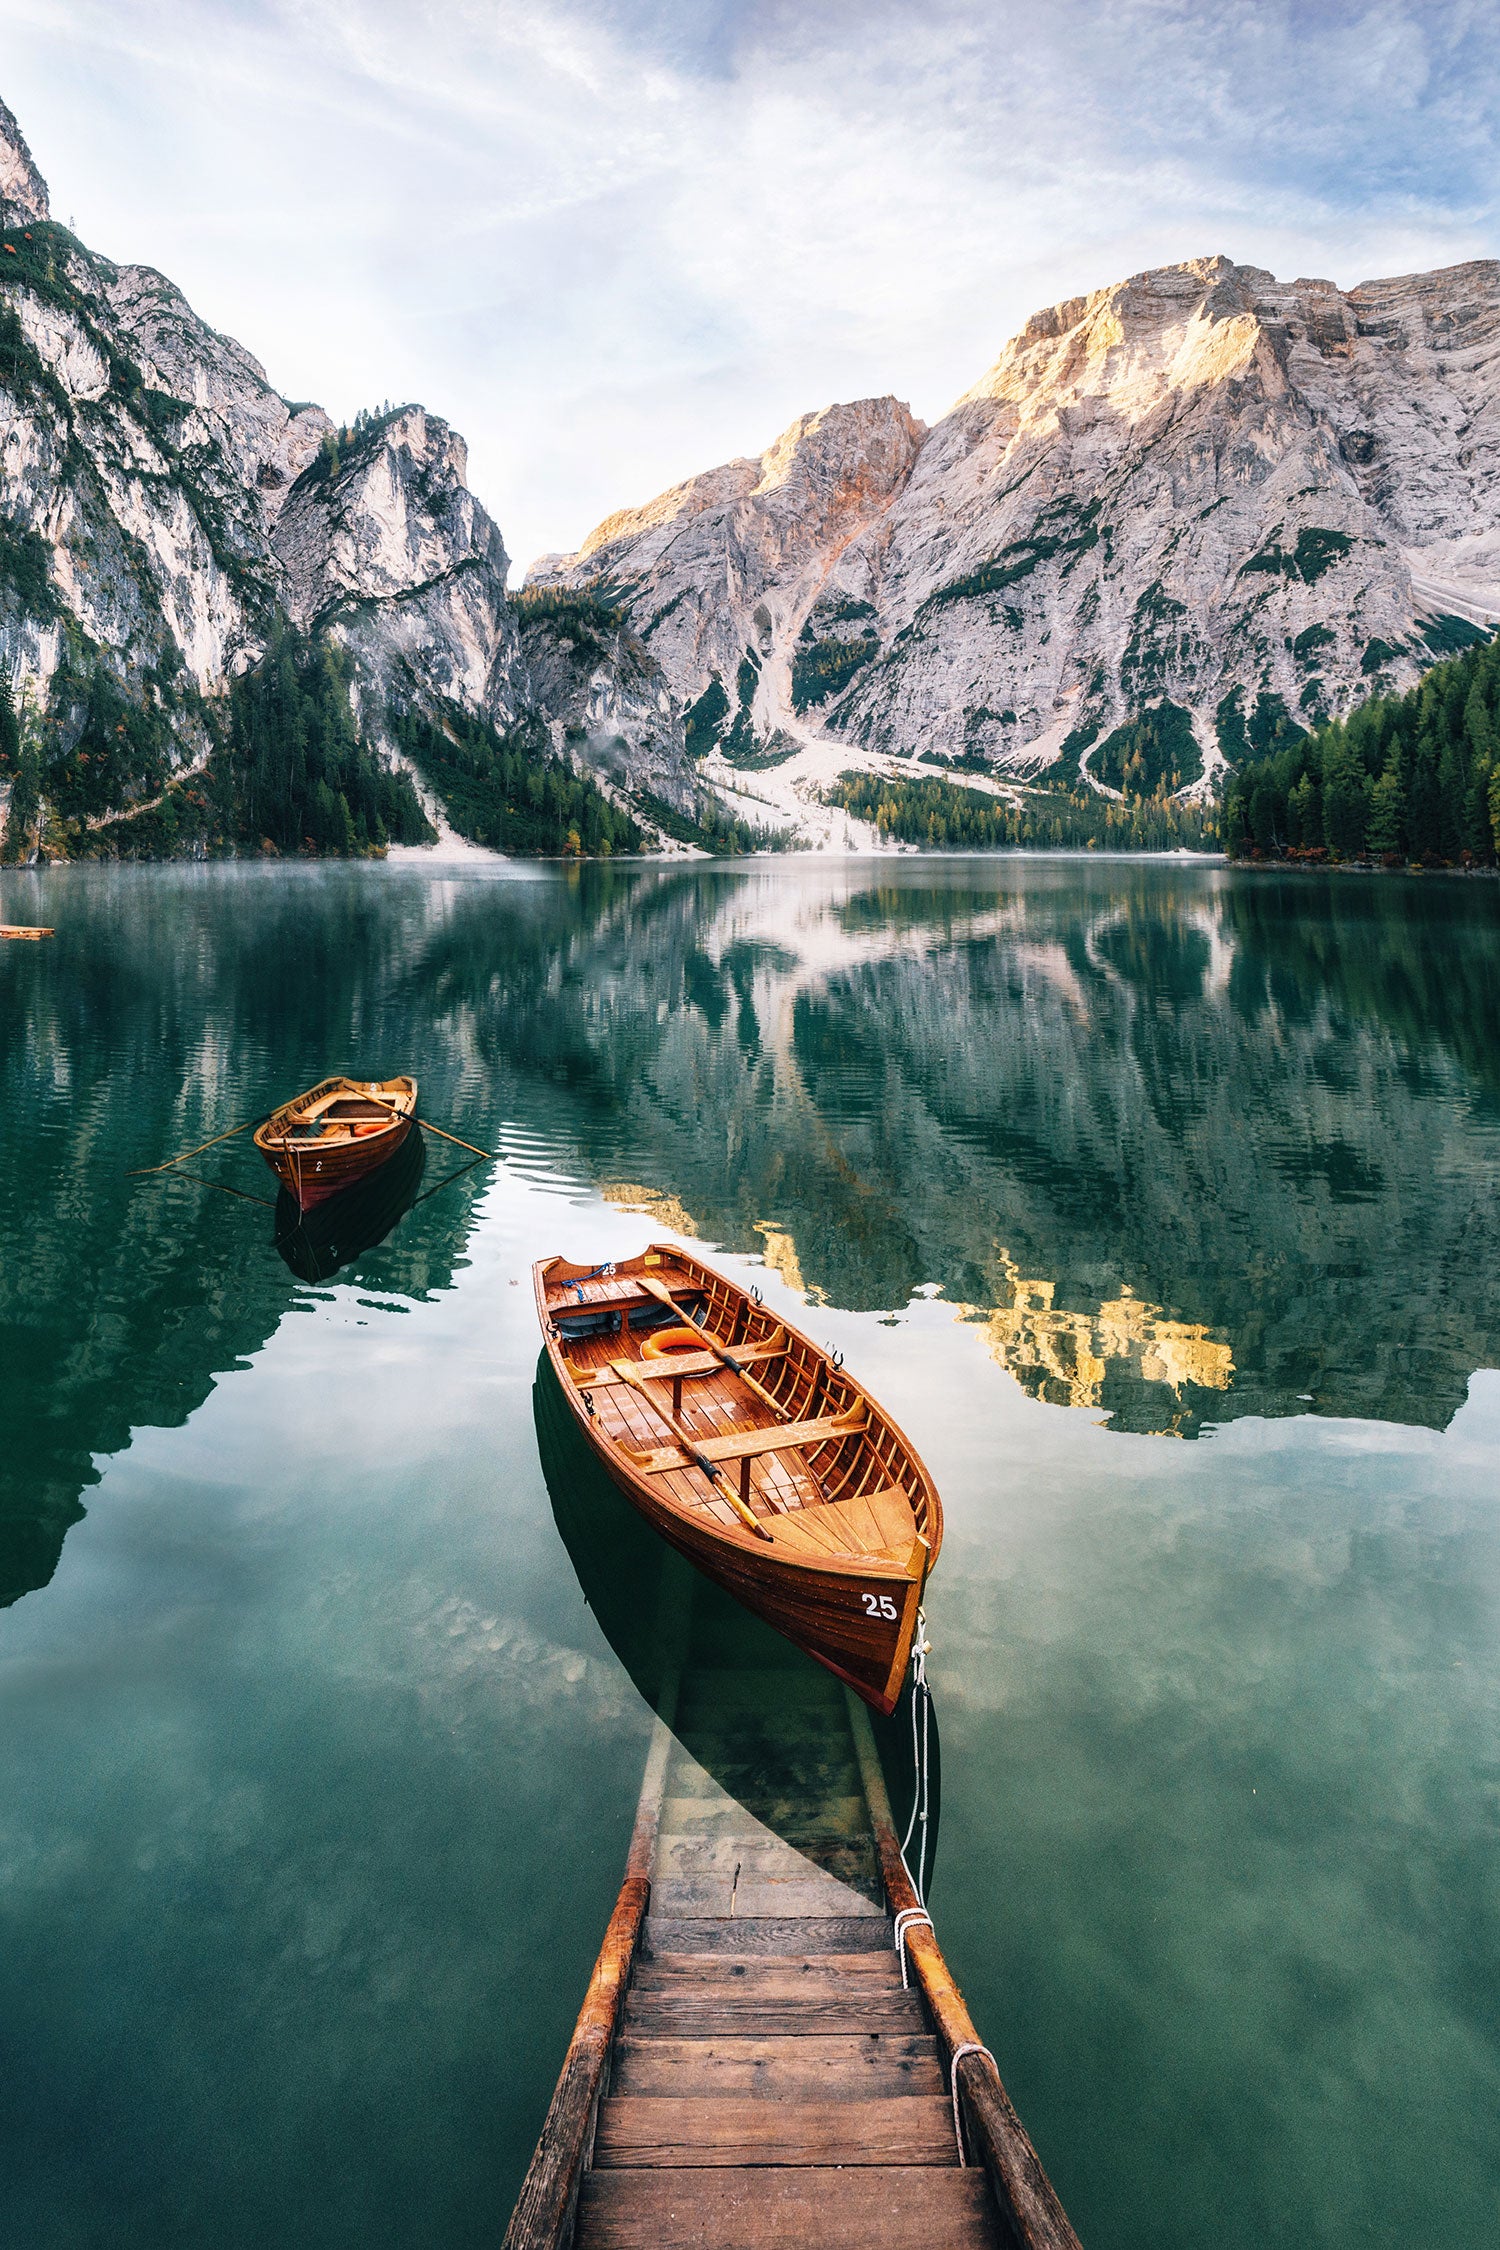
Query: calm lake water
x=1158, y=1203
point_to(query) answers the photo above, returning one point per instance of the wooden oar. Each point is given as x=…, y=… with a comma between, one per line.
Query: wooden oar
x=684, y=1437
x=725, y=1358
x=145, y=1170
x=429, y=1127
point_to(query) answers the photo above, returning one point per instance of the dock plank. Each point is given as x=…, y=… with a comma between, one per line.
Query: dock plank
x=719, y=2010
x=654, y=2132
x=769, y=1933
x=851, y=2066
x=879, y=2207
x=762, y=1971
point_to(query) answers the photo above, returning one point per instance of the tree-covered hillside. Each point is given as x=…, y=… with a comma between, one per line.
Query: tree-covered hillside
x=947, y=817
x=1406, y=778
x=284, y=766
x=510, y=791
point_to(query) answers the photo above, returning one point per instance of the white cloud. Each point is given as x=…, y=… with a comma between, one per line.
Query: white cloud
x=615, y=243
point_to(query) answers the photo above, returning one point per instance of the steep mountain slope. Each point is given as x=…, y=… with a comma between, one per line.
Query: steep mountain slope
x=165, y=514
x=1250, y=501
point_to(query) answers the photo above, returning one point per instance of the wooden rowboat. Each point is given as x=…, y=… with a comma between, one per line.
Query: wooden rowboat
x=338, y=1132
x=319, y=1243
x=22, y=930
x=751, y=1451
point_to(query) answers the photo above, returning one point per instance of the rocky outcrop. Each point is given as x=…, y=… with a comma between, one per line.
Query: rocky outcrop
x=164, y=509
x=23, y=191
x=721, y=572
x=1255, y=501
x=607, y=702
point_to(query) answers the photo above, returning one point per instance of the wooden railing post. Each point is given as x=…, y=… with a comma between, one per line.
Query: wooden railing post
x=1028, y=2203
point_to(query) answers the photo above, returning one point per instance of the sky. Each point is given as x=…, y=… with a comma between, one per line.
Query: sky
x=615, y=242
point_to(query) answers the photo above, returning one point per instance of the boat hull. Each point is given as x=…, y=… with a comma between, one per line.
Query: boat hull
x=313, y=1170
x=856, y=1614
x=317, y=1243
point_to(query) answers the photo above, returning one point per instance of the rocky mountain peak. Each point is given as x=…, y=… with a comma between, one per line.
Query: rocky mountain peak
x=23, y=191
x=1200, y=501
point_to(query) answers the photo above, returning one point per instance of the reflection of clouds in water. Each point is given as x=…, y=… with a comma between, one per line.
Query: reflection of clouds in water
x=463, y=1662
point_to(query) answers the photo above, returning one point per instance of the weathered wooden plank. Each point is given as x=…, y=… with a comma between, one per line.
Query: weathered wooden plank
x=797, y=1780
x=812, y=1896
x=717, y=1735
x=766, y=1859
x=707, y=2014
x=857, y=1933
x=761, y=1972
x=825, y=2067
x=825, y=1815
x=878, y=2207
x=655, y=2131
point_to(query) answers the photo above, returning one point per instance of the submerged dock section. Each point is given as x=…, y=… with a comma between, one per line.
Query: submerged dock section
x=753, y=2068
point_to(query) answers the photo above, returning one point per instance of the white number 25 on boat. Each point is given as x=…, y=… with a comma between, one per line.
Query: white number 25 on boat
x=878, y=1605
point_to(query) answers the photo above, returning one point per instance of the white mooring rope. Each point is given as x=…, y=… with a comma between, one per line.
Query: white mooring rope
x=969, y=2047
x=904, y=1921
x=920, y=1693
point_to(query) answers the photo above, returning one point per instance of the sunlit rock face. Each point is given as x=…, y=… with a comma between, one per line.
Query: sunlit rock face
x=720, y=573
x=165, y=508
x=1201, y=485
x=23, y=191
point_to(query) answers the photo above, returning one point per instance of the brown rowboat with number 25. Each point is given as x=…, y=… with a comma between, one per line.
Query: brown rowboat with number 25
x=752, y=1451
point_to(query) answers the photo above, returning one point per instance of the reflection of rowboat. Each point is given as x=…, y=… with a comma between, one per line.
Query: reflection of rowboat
x=752, y=1452
x=20, y=929
x=317, y=1243
x=338, y=1132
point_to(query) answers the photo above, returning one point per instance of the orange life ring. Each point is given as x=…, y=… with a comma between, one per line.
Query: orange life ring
x=662, y=1342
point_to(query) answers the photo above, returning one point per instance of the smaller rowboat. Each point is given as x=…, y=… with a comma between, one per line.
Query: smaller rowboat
x=752, y=1452
x=22, y=930
x=319, y=1243
x=338, y=1132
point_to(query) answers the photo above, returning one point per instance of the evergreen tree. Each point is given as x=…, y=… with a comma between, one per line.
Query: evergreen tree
x=1416, y=775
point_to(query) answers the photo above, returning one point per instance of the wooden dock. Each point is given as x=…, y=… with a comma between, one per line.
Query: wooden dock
x=747, y=2072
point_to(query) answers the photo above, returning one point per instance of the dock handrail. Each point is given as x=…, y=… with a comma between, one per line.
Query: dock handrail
x=1028, y=2203
x=548, y=2201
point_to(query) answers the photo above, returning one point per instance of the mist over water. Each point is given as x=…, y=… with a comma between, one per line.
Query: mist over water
x=1158, y=1204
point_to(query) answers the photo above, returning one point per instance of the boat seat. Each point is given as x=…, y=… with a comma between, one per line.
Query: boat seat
x=743, y=1445
x=680, y=1363
x=875, y=1523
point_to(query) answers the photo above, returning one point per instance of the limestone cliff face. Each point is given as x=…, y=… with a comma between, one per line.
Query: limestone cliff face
x=172, y=505
x=23, y=191
x=607, y=704
x=721, y=572
x=163, y=508
x=1201, y=485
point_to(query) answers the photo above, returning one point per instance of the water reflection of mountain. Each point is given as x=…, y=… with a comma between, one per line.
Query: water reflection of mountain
x=166, y=1008
x=1188, y=1144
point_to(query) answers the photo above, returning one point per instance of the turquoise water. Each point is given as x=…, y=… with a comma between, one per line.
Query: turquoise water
x=1157, y=1202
